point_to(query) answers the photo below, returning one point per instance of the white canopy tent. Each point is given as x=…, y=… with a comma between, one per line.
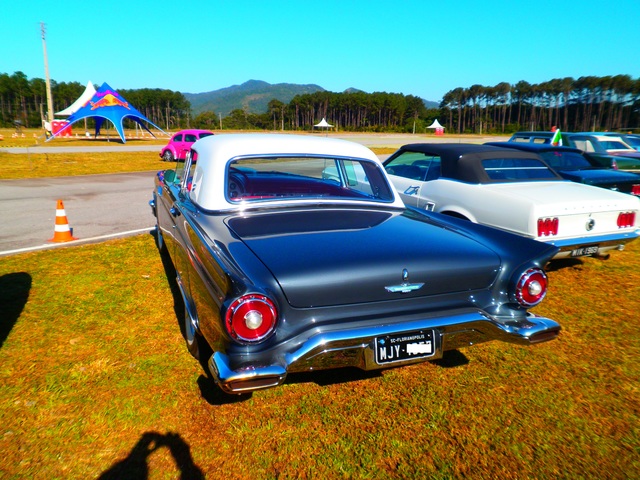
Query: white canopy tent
x=323, y=124
x=439, y=128
x=87, y=95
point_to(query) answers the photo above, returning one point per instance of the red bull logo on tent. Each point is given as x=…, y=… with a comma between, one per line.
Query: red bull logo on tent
x=109, y=99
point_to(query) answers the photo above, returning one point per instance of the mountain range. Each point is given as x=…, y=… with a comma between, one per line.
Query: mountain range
x=254, y=96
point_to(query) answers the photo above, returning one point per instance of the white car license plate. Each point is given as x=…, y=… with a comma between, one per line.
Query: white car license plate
x=404, y=346
x=584, y=251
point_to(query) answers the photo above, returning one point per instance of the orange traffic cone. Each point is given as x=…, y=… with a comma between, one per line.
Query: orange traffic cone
x=62, y=232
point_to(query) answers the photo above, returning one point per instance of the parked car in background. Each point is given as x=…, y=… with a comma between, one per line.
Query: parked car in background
x=294, y=253
x=633, y=140
x=572, y=165
x=609, y=152
x=515, y=191
x=603, y=147
x=180, y=143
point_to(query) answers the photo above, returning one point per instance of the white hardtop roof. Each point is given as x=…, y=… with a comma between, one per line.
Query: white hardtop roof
x=214, y=153
x=604, y=137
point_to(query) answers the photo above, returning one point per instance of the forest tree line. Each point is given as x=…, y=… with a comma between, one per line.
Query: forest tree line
x=583, y=104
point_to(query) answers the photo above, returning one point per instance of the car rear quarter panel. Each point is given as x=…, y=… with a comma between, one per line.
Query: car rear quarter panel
x=499, y=208
x=222, y=267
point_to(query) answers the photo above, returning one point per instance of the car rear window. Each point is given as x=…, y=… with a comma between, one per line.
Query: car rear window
x=284, y=178
x=415, y=166
x=613, y=145
x=527, y=139
x=517, y=169
x=633, y=141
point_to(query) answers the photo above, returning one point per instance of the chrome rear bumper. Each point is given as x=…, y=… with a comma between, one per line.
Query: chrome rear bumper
x=605, y=243
x=355, y=348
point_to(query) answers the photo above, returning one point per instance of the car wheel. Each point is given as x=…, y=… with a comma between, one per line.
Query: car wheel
x=167, y=156
x=196, y=344
x=159, y=238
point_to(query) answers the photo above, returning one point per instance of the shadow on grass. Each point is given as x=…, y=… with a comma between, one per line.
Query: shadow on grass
x=214, y=396
x=556, y=265
x=14, y=293
x=170, y=272
x=323, y=378
x=135, y=467
x=451, y=359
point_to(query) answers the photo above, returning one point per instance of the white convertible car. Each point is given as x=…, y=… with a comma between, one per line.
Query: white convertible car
x=514, y=191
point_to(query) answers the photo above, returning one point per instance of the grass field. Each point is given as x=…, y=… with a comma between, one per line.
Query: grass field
x=96, y=383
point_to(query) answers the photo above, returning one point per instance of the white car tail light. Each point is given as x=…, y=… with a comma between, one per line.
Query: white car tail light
x=635, y=190
x=548, y=226
x=251, y=318
x=626, y=219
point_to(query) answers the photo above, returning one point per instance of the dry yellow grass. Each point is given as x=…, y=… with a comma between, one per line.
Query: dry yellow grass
x=97, y=383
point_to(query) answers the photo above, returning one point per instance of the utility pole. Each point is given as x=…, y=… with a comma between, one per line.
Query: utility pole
x=46, y=73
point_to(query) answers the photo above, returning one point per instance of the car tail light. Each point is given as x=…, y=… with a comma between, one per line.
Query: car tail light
x=531, y=287
x=251, y=318
x=635, y=190
x=548, y=226
x=626, y=219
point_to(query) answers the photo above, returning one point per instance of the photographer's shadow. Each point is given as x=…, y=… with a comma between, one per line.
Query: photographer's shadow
x=135, y=467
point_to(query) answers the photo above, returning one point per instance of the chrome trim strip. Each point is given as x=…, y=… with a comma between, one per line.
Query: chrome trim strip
x=404, y=287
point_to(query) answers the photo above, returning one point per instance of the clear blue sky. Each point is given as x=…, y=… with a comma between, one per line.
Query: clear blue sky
x=423, y=48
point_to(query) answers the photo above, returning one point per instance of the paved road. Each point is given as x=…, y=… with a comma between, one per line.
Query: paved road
x=97, y=207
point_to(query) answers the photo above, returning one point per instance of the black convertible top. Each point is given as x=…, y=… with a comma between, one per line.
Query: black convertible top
x=463, y=161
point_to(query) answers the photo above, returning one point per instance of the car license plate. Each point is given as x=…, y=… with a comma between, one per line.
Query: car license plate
x=584, y=251
x=404, y=346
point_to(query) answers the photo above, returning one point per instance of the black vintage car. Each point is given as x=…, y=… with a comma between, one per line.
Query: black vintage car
x=572, y=165
x=294, y=253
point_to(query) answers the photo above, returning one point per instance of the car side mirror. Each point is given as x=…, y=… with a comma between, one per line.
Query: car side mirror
x=170, y=176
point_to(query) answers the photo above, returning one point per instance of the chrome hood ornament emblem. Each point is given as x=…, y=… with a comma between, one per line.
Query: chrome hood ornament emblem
x=404, y=287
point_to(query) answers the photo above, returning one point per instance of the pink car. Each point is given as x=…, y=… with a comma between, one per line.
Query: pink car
x=180, y=144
